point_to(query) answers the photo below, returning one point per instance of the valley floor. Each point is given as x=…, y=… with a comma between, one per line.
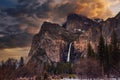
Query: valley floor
x=89, y=79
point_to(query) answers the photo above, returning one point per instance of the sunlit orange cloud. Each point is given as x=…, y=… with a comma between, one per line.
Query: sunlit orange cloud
x=114, y=2
x=93, y=8
x=89, y=8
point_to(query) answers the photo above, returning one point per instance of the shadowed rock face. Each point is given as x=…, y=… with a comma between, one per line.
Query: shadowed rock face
x=49, y=38
x=54, y=39
x=76, y=22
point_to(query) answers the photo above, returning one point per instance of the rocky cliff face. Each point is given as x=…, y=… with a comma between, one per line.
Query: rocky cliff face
x=110, y=24
x=76, y=22
x=49, y=38
x=79, y=30
x=90, y=28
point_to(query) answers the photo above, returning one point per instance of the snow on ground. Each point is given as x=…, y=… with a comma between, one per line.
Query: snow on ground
x=92, y=79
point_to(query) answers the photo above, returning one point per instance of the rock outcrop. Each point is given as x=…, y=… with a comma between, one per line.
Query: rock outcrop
x=79, y=30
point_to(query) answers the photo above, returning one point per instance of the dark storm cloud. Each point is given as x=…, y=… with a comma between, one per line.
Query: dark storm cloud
x=64, y=10
x=14, y=1
x=16, y=40
x=46, y=10
x=8, y=3
x=38, y=8
x=57, y=9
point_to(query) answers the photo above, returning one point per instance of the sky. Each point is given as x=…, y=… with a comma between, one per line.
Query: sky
x=15, y=53
x=7, y=3
x=32, y=13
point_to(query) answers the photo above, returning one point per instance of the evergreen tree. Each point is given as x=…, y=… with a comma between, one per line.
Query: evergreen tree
x=106, y=60
x=21, y=63
x=103, y=56
x=114, y=53
x=90, y=51
x=101, y=50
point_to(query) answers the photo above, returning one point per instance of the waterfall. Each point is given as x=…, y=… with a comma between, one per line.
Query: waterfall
x=68, y=57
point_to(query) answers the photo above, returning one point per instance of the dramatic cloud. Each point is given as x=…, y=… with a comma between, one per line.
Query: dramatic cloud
x=58, y=9
x=114, y=2
x=14, y=1
x=93, y=8
x=16, y=40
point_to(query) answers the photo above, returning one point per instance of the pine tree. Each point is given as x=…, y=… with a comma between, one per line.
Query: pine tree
x=114, y=53
x=106, y=60
x=101, y=50
x=90, y=51
x=101, y=54
x=21, y=63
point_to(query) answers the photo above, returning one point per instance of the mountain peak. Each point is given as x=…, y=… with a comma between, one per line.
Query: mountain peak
x=76, y=22
x=117, y=16
x=48, y=26
x=49, y=23
x=74, y=16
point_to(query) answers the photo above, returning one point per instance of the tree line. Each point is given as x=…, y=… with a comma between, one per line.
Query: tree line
x=107, y=55
x=9, y=67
